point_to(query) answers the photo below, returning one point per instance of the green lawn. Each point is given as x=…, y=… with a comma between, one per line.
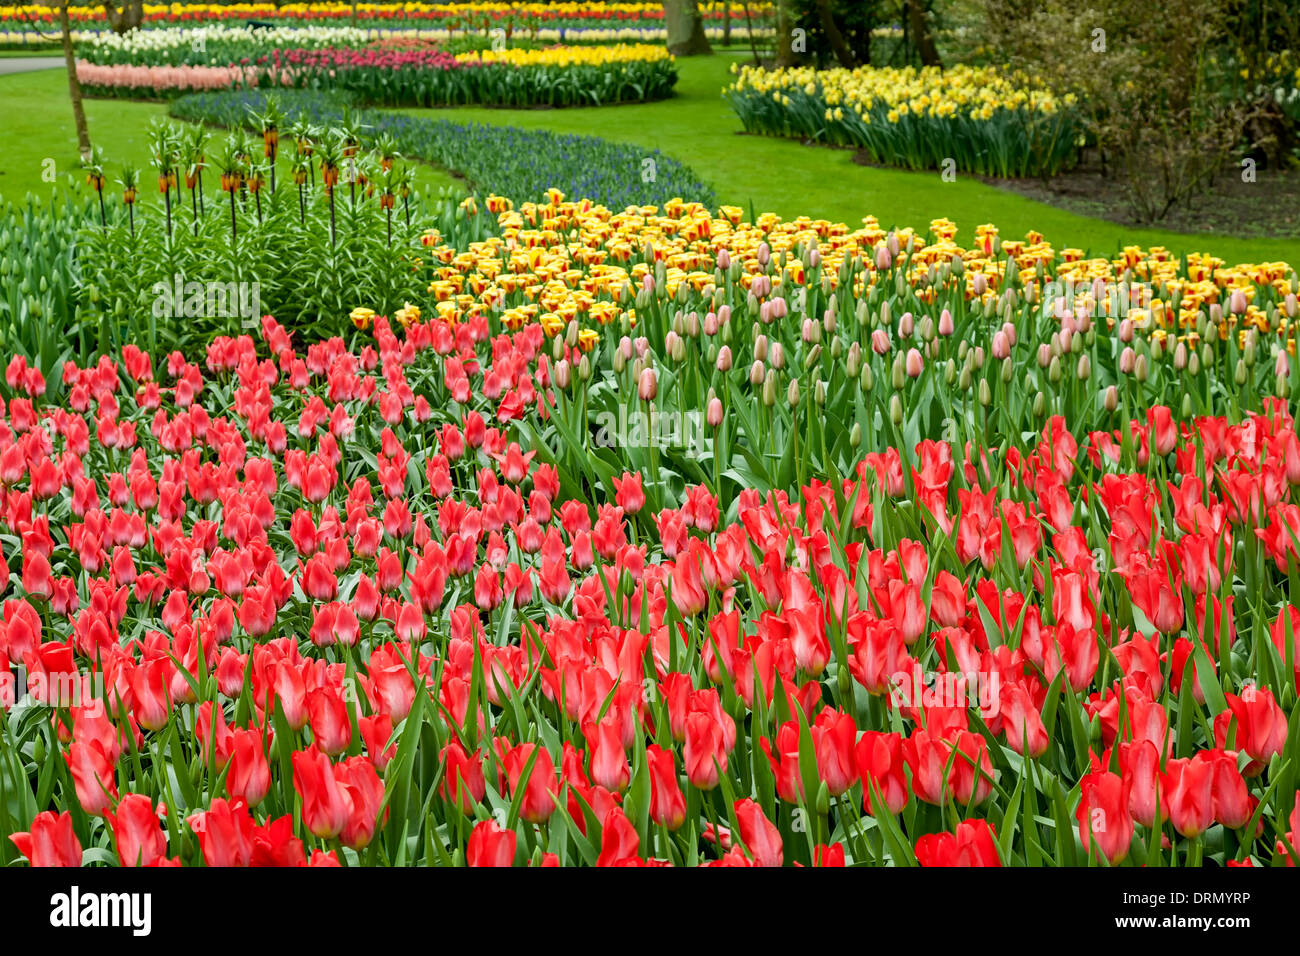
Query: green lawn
x=698, y=127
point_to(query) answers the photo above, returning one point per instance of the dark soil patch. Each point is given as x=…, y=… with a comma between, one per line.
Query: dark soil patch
x=1269, y=207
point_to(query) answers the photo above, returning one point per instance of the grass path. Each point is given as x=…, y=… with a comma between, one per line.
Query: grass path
x=697, y=126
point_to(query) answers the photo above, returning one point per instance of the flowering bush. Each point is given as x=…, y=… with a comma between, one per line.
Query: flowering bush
x=980, y=119
x=403, y=599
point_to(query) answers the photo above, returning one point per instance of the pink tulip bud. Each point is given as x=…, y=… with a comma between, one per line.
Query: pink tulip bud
x=714, y=413
x=711, y=324
x=906, y=325
x=766, y=313
x=1001, y=347
x=884, y=259
x=563, y=373
x=1237, y=302
x=764, y=254
x=945, y=322
x=814, y=259
x=757, y=373
x=808, y=330
x=880, y=342
x=724, y=359
x=724, y=259
x=1282, y=366
x=1126, y=330
x=724, y=314
x=1010, y=331
x=1099, y=289
x=1127, y=359
x=642, y=345
x=980, y=284
x=1044, y=355
x=914, y=363
x=648, y=387
x=648, y=282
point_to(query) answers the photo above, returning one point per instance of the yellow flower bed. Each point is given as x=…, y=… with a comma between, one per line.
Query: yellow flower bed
x=571, y=55
x=560, y=261
x=975, y=92
x=976, y=119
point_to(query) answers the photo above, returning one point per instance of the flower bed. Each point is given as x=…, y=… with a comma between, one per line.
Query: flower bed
x=518, y=164
x=976, y=118
x=334, y=59
x=960, y=566
x=482, y=23
x=576, y=14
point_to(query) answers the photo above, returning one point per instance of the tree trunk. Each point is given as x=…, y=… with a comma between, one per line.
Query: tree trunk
x=921, y=35
x=685, y=28
x=833, y=35
x=784, y=35
x=128, y=18
x=74, y=85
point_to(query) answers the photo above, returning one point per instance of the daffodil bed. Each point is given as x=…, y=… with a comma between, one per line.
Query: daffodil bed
x=660, y=537
x=977, y=119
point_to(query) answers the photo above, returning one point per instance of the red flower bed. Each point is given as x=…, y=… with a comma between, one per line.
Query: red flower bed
x=319, y=601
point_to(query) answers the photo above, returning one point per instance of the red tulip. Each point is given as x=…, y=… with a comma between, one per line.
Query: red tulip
x=489, y=845
x=225, y=833
x=704, y=753
x=834, y=737
x=326, y=806
x=619, y=842
x=136, y=831
x=1188, y=784
x=880, y=762
x=463, y=783
x=249, y=775
x=667, y=803
x=760, y=836
x=1103, y=815
x=50, y=842
x=540, y=789
x=1253, y=723
x=973, y=844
